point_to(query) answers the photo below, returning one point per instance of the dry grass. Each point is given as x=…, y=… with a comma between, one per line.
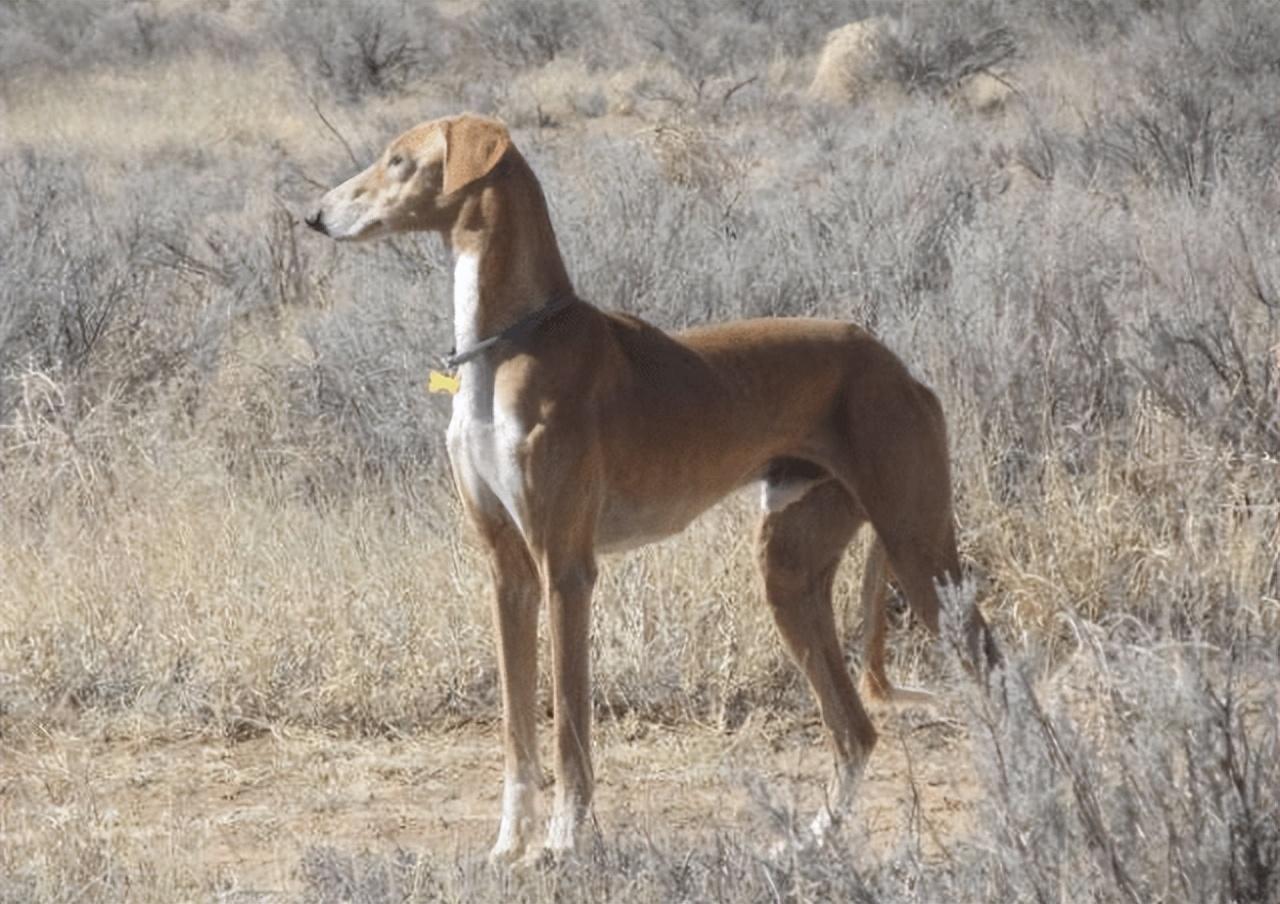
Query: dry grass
x=126, y=112
x=208, y=609
x=244, y=644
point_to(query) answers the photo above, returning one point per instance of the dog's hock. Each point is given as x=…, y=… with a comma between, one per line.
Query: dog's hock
x=473, y=147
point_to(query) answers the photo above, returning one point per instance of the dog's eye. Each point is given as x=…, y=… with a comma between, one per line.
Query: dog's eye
x=395, y=161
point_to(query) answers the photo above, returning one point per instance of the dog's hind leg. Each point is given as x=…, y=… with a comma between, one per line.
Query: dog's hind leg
x=903, y=483
x=875, y=682
x=799, y=548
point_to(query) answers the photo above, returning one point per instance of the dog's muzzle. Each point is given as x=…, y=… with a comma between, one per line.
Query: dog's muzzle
x=316, y=222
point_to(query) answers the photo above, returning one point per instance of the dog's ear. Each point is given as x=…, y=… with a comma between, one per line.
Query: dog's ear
x=473, y=147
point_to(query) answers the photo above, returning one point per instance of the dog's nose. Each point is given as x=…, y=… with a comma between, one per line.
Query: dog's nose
x=316, y=222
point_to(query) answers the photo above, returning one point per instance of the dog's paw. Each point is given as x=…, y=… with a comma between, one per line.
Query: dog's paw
x=507, y=853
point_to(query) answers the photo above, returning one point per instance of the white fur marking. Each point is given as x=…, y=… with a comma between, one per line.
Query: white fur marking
x=848, y=777
x=519, y=804
x=466, y=300
x=562, y=829
x=484, y=437
x=774, y=497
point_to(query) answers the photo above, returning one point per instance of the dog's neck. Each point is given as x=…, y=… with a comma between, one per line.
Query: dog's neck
x=506, y=260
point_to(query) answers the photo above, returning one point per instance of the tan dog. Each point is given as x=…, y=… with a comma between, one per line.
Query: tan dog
x=578, y=432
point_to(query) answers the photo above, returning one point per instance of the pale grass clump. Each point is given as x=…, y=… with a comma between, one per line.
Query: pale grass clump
x=850, y=66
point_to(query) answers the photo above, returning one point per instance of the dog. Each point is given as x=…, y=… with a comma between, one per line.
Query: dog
x=577, y=432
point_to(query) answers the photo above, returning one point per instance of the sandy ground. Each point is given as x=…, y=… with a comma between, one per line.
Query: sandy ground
x=243, y=814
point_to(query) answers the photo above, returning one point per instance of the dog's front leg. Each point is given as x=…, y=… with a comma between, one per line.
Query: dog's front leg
x=567, y=584
x=515, y=619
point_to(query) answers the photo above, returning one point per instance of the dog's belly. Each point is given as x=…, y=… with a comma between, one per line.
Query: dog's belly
x=626, y=524
x=631, y=520
x=629, y=523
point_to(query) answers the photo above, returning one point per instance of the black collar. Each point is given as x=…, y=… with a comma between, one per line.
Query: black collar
x=526, y=324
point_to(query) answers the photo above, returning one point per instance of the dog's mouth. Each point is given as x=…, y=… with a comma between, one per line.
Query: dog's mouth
x=369, y=230
x=366, y=230
x=316, y=222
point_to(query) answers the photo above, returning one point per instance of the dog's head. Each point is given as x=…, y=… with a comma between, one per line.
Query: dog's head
x=419, y=182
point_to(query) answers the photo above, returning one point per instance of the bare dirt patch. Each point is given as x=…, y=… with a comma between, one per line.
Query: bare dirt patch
x=241, y=816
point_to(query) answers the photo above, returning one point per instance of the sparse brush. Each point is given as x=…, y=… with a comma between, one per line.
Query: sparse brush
x=1148, y=774
x=378, y=48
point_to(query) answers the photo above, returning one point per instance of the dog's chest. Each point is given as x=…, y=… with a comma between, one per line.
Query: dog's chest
x=485, y=439
x=484, y=435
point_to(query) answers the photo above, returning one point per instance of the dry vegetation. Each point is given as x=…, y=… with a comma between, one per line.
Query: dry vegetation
x=229, y=551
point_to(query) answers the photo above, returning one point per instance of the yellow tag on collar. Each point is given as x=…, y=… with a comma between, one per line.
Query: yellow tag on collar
x=449, y=383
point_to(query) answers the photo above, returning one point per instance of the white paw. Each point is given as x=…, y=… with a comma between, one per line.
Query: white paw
x=519, y=810
x=563, y=831
x=506, y=851
x=823, y=828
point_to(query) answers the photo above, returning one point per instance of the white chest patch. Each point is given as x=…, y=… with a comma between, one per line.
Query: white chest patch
x=466, y=300
x=484, y=438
